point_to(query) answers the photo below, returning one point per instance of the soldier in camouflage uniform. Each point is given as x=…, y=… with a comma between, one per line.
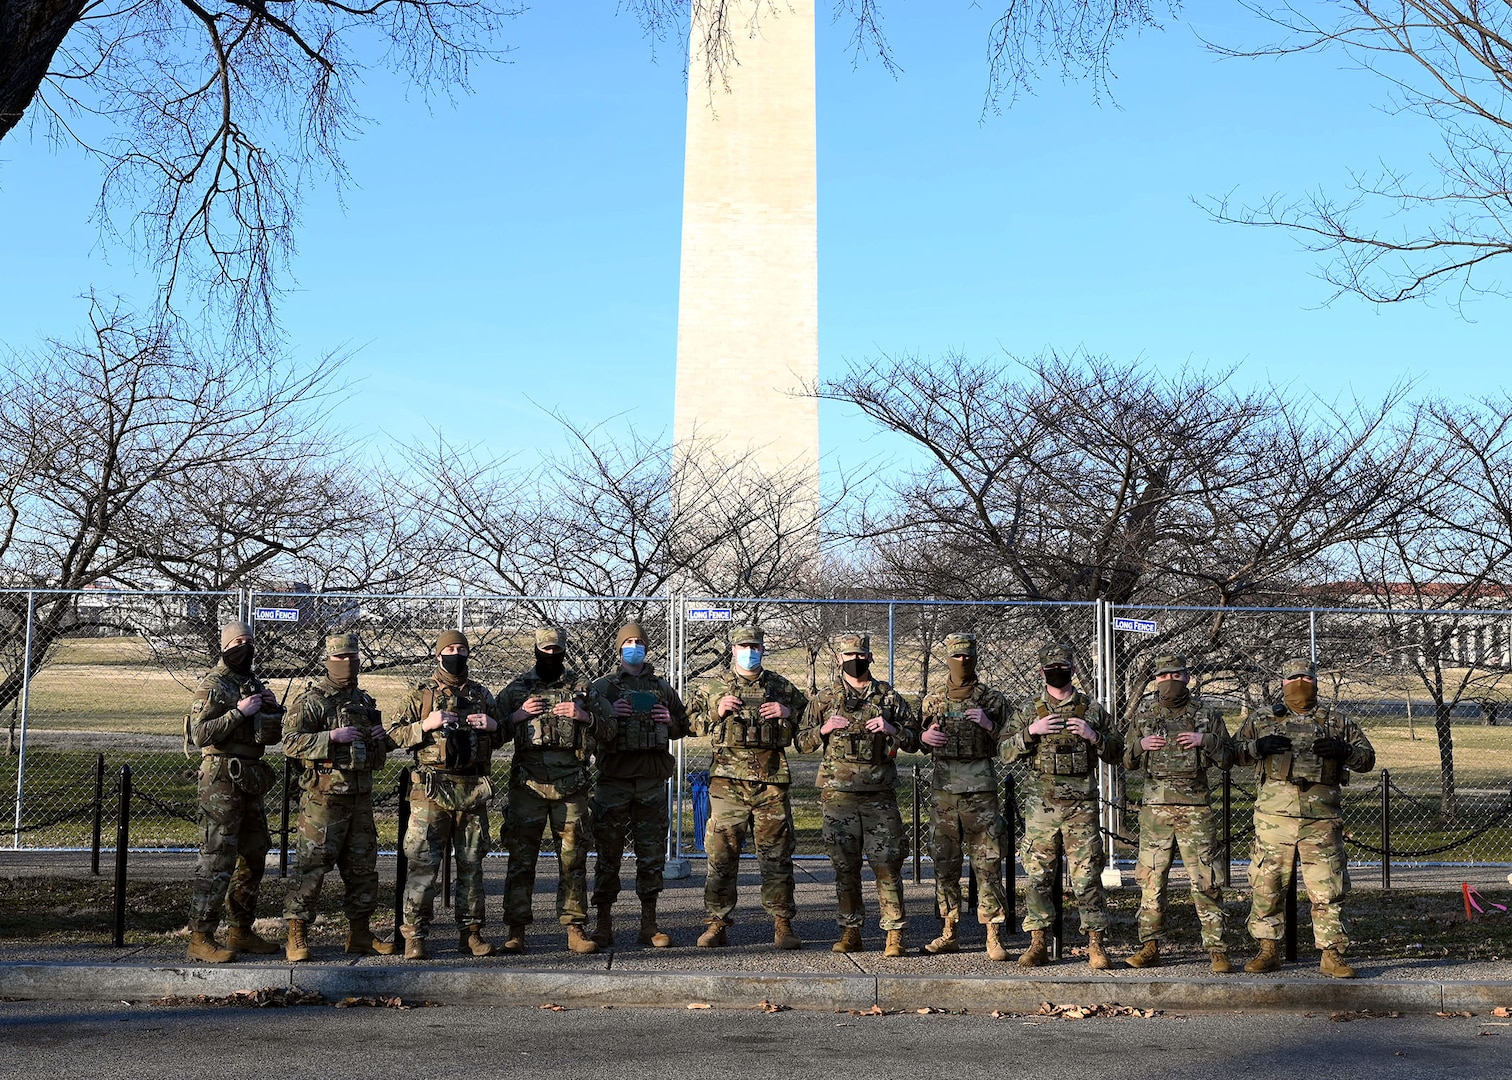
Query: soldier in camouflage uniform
x=861, y=723
x=961, y=728
x=337, y=735
x=1062, y=733
x=452, y=726
x=233, y=720
x=1303, y=754
x=631, y=795
x=750, y=714
x=559, y=721
x=1175, y=739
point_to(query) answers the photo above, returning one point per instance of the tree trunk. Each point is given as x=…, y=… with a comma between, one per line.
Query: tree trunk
x=30, y=33
x=1449, y=811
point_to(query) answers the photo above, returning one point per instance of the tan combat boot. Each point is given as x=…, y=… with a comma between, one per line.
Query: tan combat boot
x=1269, y=958
x=1037, y=954
x=245, y=939
x=996, y=950
x=1097, y=956
x=649, y=934
x=1147, y=956
x=946, y=942
x=603, y=930
x=850, y=940
x=782, y=933
x=202, y=947
x=895, y=946
x=414, y=943
x=296, y=949
x=579, y=941
x=470, y=940
x=1333, y=965
x=361, y=942
x=1220, y=961
x=515, y=942
x=714, y=936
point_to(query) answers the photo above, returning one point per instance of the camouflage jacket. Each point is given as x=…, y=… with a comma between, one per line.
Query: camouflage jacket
x=732, y=758
x=855, y=759
x=335, y=768
x=639, y=750
x=1298, y=783
x=1173, y=776
x=551, y=752
x=1064, y=765
x=958, y=768
x=215, y=724
x=430, y=748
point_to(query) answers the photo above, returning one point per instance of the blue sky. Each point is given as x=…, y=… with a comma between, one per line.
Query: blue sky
x=519, y=250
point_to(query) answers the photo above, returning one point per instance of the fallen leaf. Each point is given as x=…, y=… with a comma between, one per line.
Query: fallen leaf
x=697, y=1005
x=772, y=1006
x=553, y=1007
x=1501, y=1010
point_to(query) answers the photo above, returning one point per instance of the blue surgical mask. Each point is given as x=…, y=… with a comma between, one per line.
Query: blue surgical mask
x=748, y=657
x=633, y=655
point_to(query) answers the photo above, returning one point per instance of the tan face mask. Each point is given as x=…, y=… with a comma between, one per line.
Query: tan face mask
x=1300, y=695
x=342, y=671
x=1173, y=693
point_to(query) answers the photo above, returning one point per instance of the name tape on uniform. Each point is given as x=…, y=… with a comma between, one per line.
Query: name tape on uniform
x=1137, y=626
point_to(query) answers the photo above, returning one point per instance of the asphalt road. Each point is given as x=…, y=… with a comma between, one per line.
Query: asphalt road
x=110, y=1041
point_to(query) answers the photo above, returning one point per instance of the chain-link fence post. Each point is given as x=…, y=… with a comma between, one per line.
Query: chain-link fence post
x=26, y=666
x=97, y=815
x=1386, y=829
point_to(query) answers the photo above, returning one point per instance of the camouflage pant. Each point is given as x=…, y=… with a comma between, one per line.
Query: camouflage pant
x=637, y=809
x=335, y=832
x=571, y=830
x=1048, y=828
x=868, y=824
x=1319, y=844
x=1162, y=830
x=234, y=845
x=431, y=828
x=736, y=808
x=963, y=822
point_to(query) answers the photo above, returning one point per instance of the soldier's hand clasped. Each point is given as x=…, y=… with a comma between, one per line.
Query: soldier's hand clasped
x=346, y=734
x=661, y=714
x=1080, y=727
x=622, y=707
x=1152, y=743
x=933, y=736
x=729, y=704
x=978, y=717
x=878, y=726
x=1047, y=725
x=1331, y=749
x=775, y=710
x=1189, y=740
x=834, y=723
x=1266, y=745
x=250, y=705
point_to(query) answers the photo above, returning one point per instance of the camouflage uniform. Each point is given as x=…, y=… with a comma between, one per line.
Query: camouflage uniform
x=233, y=779
x=748, y=789
x=858, y=792
x=1175, y=812
x=630, y=798
x=449, y=793
x=336, y=827
x=1297, y=813
x=1063, y=811
x=550, y=784
x=965, y=815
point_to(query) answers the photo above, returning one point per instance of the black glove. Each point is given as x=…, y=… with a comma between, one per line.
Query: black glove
x=1331, y=749
x=1266, y=745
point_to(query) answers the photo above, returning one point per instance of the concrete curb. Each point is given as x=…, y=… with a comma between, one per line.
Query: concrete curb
x=491, y=986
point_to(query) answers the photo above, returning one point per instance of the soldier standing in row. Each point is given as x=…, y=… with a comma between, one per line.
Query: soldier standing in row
x=1063, y=732
x=337, y=735
x=233, y=720
x=559, y=720
x=861, y=723
x=1175, y=739
x=630, y=799
x=962, y=724
x=452, y=727
x=1304, y=755
x=751, y=714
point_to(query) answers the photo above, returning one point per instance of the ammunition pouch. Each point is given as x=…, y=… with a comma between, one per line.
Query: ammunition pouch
x=1172, y=762
x=855, y=745
x=1300, y=765
x=550, y=732
x=1064, y=755
x=747, y=729
x=965, y=739
x=267, y=722
x=362, y=755
x=638, y=731
x=456, y=793
x=252, y=777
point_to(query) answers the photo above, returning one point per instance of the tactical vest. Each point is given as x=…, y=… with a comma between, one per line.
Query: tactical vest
x=638, y=731
x=454, y=748
x=362, y=754
x=964, y=739
x=1064, y=753
x=855, y=744
x=1171, y=762
x=551, y=732
x=1300, y=765
x=251, y=737
x=746, y=728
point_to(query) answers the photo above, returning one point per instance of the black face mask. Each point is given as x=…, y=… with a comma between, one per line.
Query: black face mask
x=856, y=667
x=1058, y=677
x=239, y=657
x=550, y=666
x=454, y=664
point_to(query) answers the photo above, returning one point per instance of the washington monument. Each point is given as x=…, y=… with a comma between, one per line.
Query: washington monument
x=747, y=326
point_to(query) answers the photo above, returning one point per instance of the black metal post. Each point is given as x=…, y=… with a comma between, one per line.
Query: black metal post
x=1291, y=910
x=1386, y=829
x=122, y=844
x=1010, y=856
x=446, y=861
x=283, y=827
x=1057, y=928
x=971, y=887
x=918, y=836
x=1228, y=830
x=99, y=815
x=401, y=868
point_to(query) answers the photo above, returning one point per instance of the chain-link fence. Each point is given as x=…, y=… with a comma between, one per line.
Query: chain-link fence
x=111, y=673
